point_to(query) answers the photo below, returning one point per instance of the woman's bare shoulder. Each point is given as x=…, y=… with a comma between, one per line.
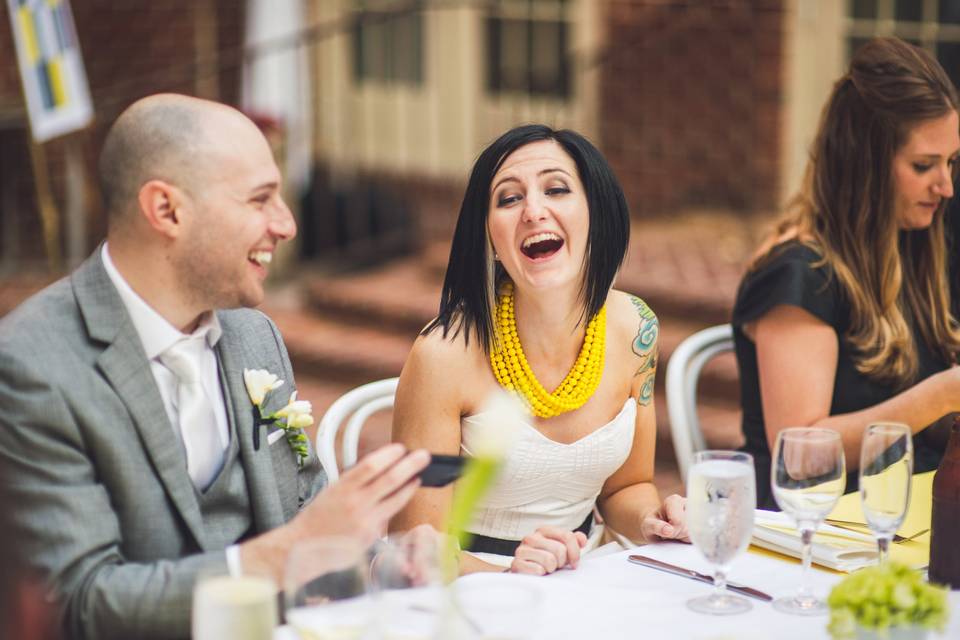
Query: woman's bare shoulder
x=442, y=373
x=628, y=316
x=444, y=361
x=446, y=350
x=637, y=339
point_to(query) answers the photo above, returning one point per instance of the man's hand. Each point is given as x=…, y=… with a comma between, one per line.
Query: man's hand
x=359, y=506
x=367, y=496
x=669, y=522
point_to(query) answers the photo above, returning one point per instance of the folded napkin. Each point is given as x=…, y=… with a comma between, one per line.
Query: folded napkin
x=833, y=547
x=917, y=519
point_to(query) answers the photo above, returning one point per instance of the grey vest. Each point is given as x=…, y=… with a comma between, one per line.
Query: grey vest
x=225, y=505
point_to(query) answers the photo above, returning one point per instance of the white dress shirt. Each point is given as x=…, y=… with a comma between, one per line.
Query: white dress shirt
x=157, y=335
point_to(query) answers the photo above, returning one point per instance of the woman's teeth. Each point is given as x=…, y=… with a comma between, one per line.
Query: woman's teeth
x=541, y=245
x=540, y=237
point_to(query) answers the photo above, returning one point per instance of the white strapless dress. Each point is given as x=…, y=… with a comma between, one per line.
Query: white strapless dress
x=544, y=482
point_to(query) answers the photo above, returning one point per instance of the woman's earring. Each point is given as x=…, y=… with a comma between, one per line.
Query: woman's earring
x=496, y=256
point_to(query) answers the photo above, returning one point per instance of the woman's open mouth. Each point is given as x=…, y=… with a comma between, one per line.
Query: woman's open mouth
x=541, y=246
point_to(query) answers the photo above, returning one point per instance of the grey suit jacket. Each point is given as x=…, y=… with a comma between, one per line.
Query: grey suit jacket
x=101, y=496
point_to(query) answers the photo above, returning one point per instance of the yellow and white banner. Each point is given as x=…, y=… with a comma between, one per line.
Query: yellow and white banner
x=51, y=67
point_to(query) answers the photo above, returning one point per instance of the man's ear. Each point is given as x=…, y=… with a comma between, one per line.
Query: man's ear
x=161, y=205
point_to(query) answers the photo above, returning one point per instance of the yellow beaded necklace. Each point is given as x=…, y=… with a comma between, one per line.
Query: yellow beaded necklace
x=514, y=374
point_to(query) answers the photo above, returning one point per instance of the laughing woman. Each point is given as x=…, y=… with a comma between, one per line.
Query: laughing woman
x=527, y=305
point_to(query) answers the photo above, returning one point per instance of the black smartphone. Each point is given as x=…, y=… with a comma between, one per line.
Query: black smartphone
x=442, y=470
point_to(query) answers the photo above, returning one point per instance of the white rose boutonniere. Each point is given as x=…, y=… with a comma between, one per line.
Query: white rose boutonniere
x=259, y=383
x=291, y=419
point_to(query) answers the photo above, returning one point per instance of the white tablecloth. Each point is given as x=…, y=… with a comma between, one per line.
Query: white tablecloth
x=609, y=598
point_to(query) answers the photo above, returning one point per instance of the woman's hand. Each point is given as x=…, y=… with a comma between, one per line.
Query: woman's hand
x=548, y=549
x=669, y=522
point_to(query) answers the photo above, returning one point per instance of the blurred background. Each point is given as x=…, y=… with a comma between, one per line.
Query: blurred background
x=377, y=109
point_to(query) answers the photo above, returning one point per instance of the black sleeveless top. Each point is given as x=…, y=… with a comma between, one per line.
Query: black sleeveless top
x=788, y=277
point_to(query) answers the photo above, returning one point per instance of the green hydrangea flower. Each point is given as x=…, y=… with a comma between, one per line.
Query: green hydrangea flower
x=879, y=598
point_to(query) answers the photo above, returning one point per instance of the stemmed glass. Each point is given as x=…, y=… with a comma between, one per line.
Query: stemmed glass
x=808, y=476
x=886, y=464
x=325, y=586
x=721, y=499
x=407, y=586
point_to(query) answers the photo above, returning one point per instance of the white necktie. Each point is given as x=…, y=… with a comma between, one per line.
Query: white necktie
x=198, y=424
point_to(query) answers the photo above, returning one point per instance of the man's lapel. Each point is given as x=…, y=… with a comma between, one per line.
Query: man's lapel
x=125, y=365
x=273, y=488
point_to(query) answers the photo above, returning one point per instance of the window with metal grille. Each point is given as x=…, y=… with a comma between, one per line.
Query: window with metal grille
x=388, y=42
x=528, y=47
x=931, y=24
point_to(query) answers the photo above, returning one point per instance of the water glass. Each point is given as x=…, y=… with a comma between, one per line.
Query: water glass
x=407, y=587
x=721, y=499
x=244, y=608
x=886, y=465
x=808, y=476
x=325, y=588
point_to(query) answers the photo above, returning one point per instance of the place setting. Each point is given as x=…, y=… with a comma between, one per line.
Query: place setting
x=873, y=534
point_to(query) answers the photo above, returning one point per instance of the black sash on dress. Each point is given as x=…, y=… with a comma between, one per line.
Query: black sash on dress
x=486, y=544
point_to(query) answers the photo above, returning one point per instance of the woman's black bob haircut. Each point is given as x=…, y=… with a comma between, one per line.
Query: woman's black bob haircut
x=468, y=297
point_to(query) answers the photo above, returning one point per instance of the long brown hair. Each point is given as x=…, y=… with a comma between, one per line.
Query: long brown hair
x=845, y=210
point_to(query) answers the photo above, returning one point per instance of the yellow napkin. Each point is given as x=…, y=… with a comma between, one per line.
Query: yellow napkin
x=915, y=553
x=831, y=547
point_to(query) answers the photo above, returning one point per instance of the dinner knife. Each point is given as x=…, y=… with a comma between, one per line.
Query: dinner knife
x=696, y=575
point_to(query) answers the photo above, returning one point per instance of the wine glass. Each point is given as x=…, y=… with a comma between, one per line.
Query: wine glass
x=721, y=499
x=886, y=464
x=808, y=476
x=325, y=587
x=407, y=587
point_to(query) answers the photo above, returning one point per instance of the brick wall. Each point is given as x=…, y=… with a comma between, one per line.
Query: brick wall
x=138, y=47
x=131, y=49
x=690, y=102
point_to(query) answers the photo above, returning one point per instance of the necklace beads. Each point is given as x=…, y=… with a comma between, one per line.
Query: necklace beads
x=512, y=371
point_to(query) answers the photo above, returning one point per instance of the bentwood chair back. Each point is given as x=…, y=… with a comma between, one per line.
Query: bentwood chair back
x=350, y=412
x=683, y=374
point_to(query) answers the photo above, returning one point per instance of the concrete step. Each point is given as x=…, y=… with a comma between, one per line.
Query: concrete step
x=401, y=296
x=339, y=351
x=17, y=288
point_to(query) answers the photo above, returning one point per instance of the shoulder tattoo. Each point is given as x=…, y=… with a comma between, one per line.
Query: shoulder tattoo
x=646, y=347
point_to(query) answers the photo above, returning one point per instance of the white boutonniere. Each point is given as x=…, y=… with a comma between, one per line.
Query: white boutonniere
x=292, y=418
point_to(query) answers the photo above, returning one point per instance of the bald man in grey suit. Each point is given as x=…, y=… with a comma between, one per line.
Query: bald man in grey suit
x=115, y=499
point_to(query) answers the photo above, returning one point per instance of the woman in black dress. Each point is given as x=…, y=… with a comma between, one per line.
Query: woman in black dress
x=844, y=318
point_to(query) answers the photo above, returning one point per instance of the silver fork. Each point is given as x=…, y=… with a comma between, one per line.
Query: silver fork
x=858, y=526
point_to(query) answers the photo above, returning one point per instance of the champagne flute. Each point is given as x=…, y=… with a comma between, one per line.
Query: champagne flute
x=721, y=499
x=808, y=476
x=325, y=586
x=886, y=464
